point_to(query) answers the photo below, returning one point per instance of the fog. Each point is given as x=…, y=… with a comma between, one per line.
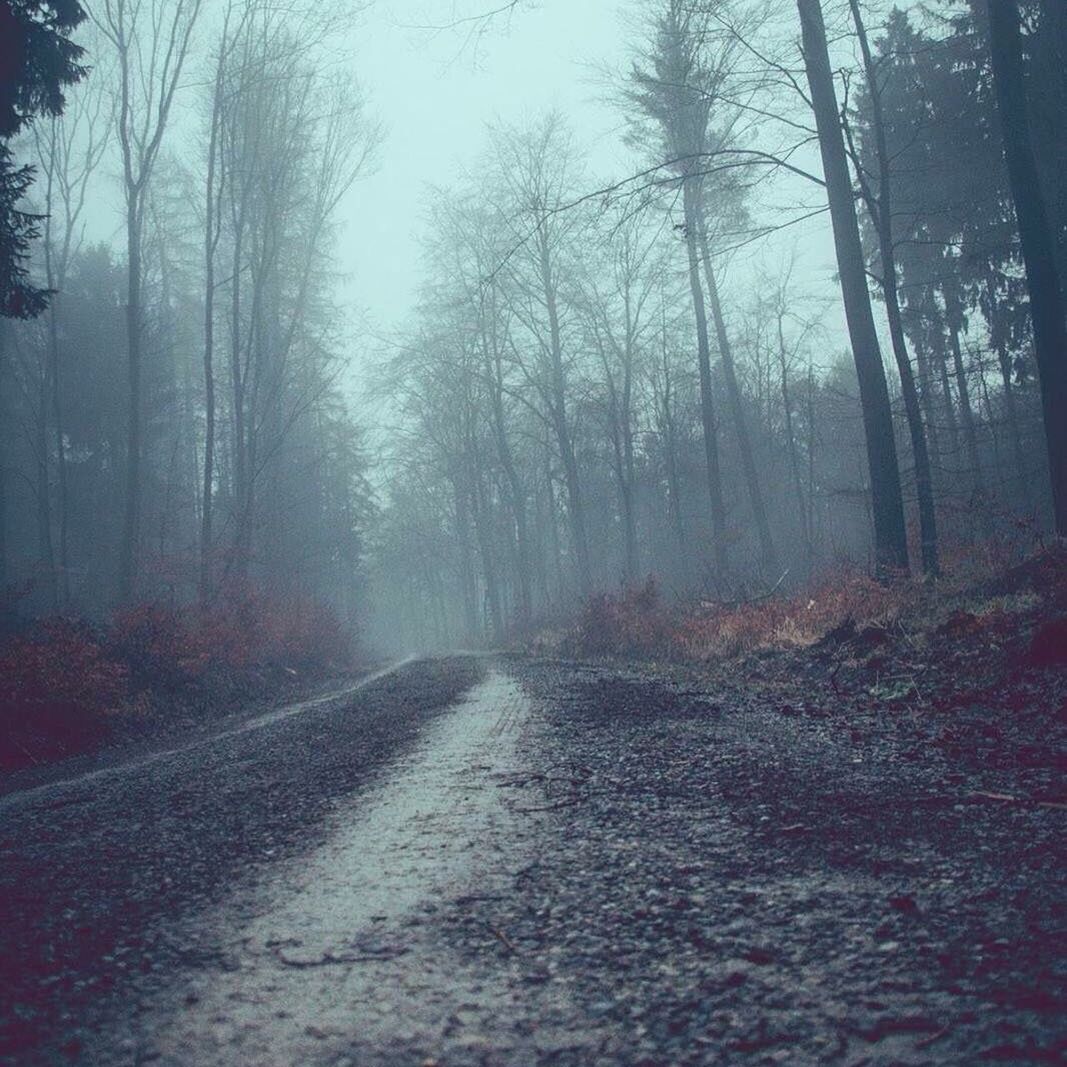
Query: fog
x=450, y=319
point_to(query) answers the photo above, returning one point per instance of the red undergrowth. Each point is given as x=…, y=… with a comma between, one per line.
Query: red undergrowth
x=63, y=681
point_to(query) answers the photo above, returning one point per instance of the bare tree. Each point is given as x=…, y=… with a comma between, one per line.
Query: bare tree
x=877, y=192
x=68, y=149
x=891, y=545
x=676, y=91
x=534, y=167
x=151, y=39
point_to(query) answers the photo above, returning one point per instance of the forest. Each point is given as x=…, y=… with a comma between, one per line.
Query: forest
x=813, y=334
x=533, y=533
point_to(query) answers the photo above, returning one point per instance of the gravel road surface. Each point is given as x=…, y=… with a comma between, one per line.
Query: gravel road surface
x=471, y=861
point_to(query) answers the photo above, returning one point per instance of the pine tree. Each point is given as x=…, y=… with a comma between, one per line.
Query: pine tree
x=38, y=60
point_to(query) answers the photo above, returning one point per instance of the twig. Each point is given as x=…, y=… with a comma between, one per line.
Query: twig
x=928, y=1041
x=328, y=959
x=833, y=677
x=551, y=807
x=1007, y=798
x=729, y=605
x=503, y=939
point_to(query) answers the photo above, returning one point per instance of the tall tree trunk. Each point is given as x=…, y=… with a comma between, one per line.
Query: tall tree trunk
x=768, y=555
x=555, y=548
x=940, y=357
x=62, y=500
x=811, y=464
x=1039, y=254
x=466, y=567
x=970, y=431
x=239, y=563
x=928, y=399
x=131, y=526
x=575, y=503
x=484, y=535
x=622, y=463
x=791, y=440
x=45, y=548
x=207, y=513
x=887, y=504
x=709, y=424
x=881, y=209
x=1011, y=410
x=62, y=579
x=516, y=489
x=670, y=460
x=626, y=427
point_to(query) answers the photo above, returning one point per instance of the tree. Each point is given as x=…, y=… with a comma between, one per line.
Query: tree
x=151, y=39
x=891, y=545
x=1039, y=255
x=676, y=90
x=38, y=60
x=877, y=193
x=535, y=169
x=68, y=150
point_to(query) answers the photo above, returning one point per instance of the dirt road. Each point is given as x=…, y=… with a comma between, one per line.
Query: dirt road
x=470, y=861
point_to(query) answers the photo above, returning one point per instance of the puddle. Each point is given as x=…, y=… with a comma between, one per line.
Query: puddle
x=330, y=954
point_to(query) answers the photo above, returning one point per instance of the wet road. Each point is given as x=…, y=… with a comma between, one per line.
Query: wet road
x=119, y=886
x=328, y=949
x=470, y=863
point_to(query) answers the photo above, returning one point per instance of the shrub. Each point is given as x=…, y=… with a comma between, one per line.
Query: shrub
x=57, y=689
x=243, y=630
x=158, y=645
x=789, y=621
x=299, y=632
x=631, y=624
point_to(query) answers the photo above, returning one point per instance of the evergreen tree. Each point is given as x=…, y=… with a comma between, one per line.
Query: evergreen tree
x=37, y=61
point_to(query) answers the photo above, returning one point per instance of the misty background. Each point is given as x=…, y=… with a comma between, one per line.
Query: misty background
x=417, y=330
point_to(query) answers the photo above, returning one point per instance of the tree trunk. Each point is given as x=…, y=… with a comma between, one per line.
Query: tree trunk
x=555, y=548
x=929, y=407
x=207, y=513
x=768, y=555
x=575, y=503
x=707, y=399
x=239, y=563
x=1039, y=254
x=484, y=536
x=131, y=527
x=633, y=560
x=940, y=356
x=62, y=499
x=887, y=505
x=970, y=432
x=45, y=548
x=794, y=452
x=881, y=208
x=670, y=460
x=1011, y=410
x=62, y=579
x=515, y=487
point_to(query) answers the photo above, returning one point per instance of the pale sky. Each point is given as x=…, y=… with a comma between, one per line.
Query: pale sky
x=437, y=91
